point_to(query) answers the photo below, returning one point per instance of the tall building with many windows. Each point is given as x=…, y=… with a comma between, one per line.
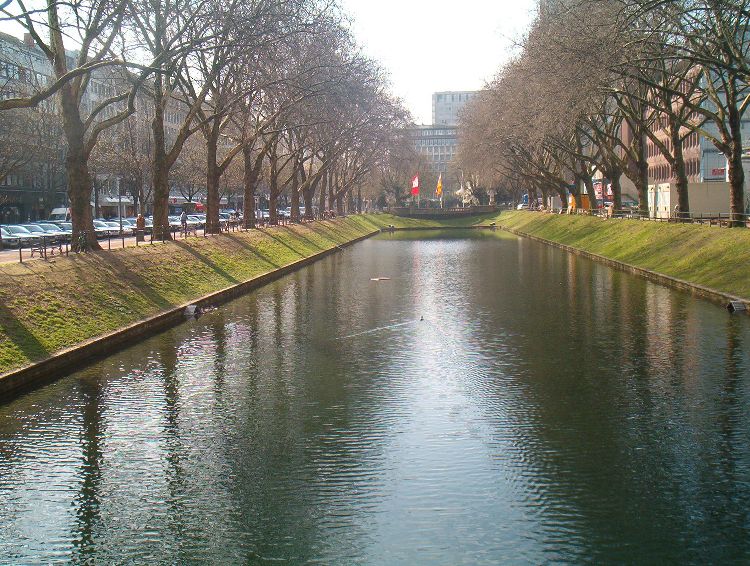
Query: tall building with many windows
x=447, y=106
x=437, y=144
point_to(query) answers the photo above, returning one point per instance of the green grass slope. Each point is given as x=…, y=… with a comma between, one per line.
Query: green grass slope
x=49, y=306
x=718, y=258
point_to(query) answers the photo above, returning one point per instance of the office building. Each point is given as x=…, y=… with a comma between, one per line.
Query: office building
x=447, y=106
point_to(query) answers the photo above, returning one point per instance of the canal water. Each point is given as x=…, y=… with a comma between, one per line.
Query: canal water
x=494, y=401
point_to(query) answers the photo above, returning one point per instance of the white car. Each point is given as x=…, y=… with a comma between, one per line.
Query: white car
x=522, y=206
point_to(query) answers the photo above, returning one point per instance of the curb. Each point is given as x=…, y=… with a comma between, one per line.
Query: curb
x=81, y=355
x=708, y=293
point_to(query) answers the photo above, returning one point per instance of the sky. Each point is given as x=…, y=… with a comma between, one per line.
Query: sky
x=435, y=45
x=431, y=45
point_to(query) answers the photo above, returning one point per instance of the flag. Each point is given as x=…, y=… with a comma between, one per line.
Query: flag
x=415, y=185
x=439, y=189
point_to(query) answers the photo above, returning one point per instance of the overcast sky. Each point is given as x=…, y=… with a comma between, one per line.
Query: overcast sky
x=434, y=45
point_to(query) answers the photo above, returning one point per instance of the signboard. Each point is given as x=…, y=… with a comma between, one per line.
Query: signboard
x=718, y=171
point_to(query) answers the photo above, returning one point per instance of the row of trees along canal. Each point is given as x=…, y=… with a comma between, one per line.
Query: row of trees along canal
x=595, y=80
x=277, y=85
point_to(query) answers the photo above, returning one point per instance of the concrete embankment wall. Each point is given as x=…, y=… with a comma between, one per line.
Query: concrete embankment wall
x=59, y=315
x=710, y=262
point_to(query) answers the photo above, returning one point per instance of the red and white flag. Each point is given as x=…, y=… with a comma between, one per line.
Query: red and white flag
x=415, y=185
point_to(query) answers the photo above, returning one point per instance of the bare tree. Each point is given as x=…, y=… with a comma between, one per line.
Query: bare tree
x=94, y=27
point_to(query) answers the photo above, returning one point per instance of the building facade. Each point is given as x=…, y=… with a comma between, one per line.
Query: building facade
x=447, y=106
x=705, y=167
x=437, y=145
x=32, y=188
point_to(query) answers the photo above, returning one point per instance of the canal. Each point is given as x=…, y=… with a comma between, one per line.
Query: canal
x=495, y=400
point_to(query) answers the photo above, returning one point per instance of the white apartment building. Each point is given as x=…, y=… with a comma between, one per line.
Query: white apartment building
x=447, y=106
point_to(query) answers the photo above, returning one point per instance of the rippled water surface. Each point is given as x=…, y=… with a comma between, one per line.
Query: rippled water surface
x=547, y=409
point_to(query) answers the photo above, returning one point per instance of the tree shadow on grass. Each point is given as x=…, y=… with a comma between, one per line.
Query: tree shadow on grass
x=269, y=233
x=240, y=242
x=20, y=336
x=328, y=231
x=202, y=258
x=125, y=272
x=298, y=234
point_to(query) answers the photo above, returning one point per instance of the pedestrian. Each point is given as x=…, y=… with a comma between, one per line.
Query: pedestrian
x=183, y=221
x=140, y=228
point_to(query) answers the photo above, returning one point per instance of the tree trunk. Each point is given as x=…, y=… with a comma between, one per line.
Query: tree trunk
x=308, y=195
x=76, y=158
x=97, y=210
x=79, y=177
x=250, y=179
x=332, y=182
x=576, y=192
x=323, y=189
x=213, y=225
x=641, y=181
x=340, y=205
x=532, y=198
x=273, y=186
x=678, y=167
x=295, y=197
x=160, y=174
x=359, y=200
x=734, y=162
x=273, y=203
x=615, y=175
x=589, y=184
x=642, y=187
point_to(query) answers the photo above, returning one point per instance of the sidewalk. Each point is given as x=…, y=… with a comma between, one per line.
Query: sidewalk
x=11, y=255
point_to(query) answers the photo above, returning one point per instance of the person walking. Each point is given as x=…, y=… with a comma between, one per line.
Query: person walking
x=183, y=221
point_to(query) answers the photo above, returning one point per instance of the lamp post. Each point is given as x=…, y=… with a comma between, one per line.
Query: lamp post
x=119, y=203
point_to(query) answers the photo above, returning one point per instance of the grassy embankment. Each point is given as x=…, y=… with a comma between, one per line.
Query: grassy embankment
x=49, y=306
x=718, y=258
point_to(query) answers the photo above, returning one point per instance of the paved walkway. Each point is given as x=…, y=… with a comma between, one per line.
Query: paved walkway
x=114, y=243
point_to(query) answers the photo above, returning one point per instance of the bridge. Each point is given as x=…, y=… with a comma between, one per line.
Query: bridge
x=414, y=212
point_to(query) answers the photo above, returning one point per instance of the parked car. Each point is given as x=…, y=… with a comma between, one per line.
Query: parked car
x=174, y=223
x=114, y=226
x=39, y=232
x=224, y=219
x=66, y=227
x=25, y=237
x=522, y=206
x=55, y=231
x=103, y=229
x=197, y=220
x=8, y=239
